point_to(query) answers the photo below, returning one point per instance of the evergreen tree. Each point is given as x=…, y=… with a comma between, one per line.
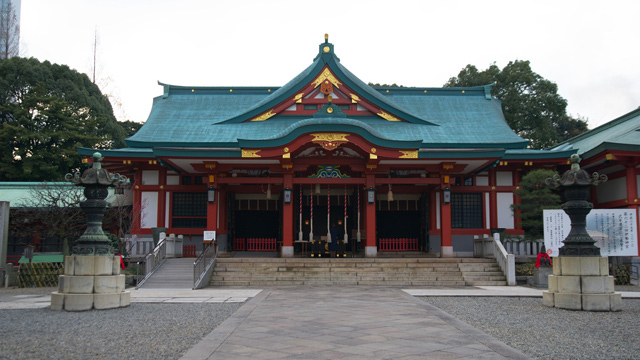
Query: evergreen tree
x=46, y=112
x=535, y=197
x=530, y=103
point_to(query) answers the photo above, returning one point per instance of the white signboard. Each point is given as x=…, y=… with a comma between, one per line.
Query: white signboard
x=614, y=230
x=209, y=236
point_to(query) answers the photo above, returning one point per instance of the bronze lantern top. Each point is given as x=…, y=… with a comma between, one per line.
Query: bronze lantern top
x=96, y=175
x=575, y=176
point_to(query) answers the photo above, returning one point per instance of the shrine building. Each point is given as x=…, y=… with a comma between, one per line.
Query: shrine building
x=391, y=168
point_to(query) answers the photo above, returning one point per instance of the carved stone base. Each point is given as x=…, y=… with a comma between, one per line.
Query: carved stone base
x=90, y=282
x=582, y=283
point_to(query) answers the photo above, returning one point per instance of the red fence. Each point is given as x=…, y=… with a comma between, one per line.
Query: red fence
x=400, y=244
x=261, y=244
x=189, y=251
x=239, y=244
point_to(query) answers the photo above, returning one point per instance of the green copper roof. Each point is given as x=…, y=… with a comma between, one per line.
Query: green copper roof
x=217, y=117
x=531, y=154
x=622, y=133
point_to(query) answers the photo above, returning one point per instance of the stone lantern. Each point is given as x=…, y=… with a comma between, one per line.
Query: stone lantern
x=580, y=279
x=92, y=278
x=576, y=186
x=96, y=181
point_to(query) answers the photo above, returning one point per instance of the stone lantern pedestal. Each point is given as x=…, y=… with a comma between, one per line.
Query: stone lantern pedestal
x=90, y=282
x=582, y=283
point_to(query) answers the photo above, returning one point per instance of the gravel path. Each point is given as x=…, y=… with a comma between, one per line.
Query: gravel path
x=551, y=333
x=141, y=331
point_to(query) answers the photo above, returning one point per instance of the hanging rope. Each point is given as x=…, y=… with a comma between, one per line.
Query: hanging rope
x=345, y=214
x=300, y=216
x=358, y=233
x=311, y=196
x=329, y=239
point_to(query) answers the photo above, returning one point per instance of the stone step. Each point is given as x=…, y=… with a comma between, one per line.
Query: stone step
x=480, y=273
x=383, y=271
x=485, y=283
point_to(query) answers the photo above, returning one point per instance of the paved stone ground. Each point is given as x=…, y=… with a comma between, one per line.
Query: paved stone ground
x=345, y=323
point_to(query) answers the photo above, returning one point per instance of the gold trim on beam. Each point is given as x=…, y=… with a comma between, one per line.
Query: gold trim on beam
x=411, y=154
x=326, y=75
x=264, y=116
x=387, y=116
x=250, y=153
x=330, y=141
x=354, y=98
x=298, y=98
x=330, y=137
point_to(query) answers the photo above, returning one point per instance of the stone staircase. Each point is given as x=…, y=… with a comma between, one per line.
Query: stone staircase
x=356, y=271
x=174, y=273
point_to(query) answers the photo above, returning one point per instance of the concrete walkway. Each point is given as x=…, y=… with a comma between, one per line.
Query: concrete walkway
x=345, y=323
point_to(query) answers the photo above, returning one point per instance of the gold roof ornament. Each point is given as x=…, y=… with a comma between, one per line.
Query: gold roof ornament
x=264, y=116
x=387, y=116
x=250, y=153
x=326, y=75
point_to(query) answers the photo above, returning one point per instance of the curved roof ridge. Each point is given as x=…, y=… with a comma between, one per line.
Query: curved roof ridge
x=374, y=93
x=330, y=121
x=326, y=57
x=285, y=88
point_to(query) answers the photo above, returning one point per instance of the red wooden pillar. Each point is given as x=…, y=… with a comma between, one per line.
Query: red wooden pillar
x=370, y=249
x=632, y=192
x=446, y=247
x=212, y=206
x=287, y=215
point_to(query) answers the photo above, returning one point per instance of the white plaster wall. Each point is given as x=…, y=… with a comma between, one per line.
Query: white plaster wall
x=150, y=177
x=482, y=181
x=149, y=213
x=487, y=211
x=173, y=180
x=504, y=178
x=505, y=215
x=612, y=190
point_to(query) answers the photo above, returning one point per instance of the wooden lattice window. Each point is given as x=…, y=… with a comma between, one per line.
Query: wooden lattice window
x=466, y=211
x=189, y=210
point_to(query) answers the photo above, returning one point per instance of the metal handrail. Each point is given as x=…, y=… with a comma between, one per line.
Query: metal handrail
x=153, y=260
x=203, y=265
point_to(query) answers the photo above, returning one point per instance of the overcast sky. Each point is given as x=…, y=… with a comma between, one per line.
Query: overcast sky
x=589, y=48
